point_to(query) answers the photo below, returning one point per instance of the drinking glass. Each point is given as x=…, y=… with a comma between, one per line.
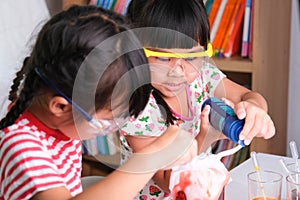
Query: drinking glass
x=293, y=186
x=264, y=185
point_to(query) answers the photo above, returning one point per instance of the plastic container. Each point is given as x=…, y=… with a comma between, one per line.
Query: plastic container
x=223, y=118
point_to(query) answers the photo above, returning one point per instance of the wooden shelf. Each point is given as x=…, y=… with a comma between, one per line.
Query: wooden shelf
x=269, y=68
x=235, y=64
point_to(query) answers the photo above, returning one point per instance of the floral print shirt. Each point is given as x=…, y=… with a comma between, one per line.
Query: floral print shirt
x=150, y=122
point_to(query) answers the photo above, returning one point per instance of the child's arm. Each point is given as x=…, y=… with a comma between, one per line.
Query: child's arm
x=126, y=181
x=162, y=177
x=248, y=105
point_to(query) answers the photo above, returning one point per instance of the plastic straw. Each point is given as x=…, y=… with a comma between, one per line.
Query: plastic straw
x=257, y=168
x=295, y=154
x=289, y=173
x=286, y=169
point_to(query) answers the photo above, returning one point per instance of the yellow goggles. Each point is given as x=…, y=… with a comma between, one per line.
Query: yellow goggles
x=208, y=52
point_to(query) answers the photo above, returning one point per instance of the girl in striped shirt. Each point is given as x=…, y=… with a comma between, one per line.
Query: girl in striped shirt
x=83, y=77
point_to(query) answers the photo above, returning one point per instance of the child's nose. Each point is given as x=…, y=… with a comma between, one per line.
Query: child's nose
x=178, y=68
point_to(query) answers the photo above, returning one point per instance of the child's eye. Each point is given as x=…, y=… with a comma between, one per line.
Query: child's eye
x=163, y=59
x=189, y=59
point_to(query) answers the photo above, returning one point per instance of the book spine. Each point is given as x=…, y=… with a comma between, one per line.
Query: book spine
x=250, y=50
x=246, y=28
x=112, y=145
x=102, y=145
x=224, y=24
x=91, y=146
x=217, y=20
x=230, y=26
x=208, y=6
x=234, y=40
x=84, y=147
x=213, y=12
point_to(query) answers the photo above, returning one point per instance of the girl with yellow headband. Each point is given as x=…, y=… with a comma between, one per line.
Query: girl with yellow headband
x=175, y=36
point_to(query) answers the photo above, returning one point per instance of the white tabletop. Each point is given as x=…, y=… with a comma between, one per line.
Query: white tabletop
x=237, y=188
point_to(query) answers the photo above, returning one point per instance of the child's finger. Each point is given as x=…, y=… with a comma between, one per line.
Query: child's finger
x=228, y=102
x=204, y=116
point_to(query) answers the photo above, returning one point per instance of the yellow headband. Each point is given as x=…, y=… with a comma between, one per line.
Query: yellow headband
x=208, y=52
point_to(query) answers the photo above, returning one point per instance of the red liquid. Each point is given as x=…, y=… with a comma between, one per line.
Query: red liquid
x=178, y=190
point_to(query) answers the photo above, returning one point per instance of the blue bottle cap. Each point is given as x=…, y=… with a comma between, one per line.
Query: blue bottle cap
x=233, y=127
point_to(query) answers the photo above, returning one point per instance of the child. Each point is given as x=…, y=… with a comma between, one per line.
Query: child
x=175, y=35
x=76, y=62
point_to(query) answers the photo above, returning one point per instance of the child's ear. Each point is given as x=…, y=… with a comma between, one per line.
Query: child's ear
x=59, y=106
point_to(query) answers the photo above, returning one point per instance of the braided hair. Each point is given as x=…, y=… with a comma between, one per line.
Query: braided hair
x=60, y=52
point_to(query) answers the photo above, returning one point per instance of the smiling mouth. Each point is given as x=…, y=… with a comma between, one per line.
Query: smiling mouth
x=174, y=86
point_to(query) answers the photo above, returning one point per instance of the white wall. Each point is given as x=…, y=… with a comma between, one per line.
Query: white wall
x=19, y=23
x=294, y=83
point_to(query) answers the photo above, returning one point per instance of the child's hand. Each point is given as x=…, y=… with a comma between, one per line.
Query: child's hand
x=257, y=121
x=207, y=135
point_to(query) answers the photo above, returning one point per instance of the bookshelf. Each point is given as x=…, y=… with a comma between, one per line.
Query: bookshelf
x=269, y=68
x=268, y=71
x=68, y=3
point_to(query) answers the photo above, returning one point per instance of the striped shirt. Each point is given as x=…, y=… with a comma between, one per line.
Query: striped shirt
x=35, y=158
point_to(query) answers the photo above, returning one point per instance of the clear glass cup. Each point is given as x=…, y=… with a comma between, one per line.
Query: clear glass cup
x=293, y=167
x=264, y=185
x=293, y=186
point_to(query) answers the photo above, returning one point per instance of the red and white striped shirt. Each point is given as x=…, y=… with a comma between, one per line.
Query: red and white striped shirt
x=35, y=158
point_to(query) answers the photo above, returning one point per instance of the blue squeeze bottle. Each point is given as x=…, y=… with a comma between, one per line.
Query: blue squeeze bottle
x=223, y=119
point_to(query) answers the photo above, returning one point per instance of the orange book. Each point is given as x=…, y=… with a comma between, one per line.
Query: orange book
x=217, y=20
x=213, y=12
x=235, y=31
x=230, y=26
x=224, y=23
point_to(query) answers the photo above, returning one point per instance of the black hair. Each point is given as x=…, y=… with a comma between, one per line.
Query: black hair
x=67, y=50
x=187, y=18
x=169, y=24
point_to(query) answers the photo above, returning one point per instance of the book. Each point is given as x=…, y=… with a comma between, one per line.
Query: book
x=224, y=24
x=208, y=5
x=84, y=147
x=229, y=29
x=250, y=49
x=113, y=143
x=102, y=145
x=213, y=12
x=235, y=31
x=91, y=147
x=246, y=29
x=217, y=20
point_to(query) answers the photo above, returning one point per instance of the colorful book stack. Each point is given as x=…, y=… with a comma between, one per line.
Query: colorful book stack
x=104, y=145
x=119, y=6
x=231, y=27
